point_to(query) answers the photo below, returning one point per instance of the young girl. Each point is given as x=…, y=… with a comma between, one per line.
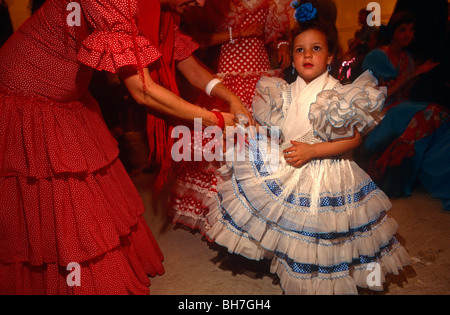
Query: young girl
x=319, y=216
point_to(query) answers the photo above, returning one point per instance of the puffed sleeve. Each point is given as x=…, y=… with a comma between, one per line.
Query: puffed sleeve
x=111, y=44
x=338, y=111
x=272, y=99
x=185, y=46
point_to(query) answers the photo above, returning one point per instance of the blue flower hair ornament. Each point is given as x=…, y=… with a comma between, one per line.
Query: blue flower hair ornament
x=305, y=12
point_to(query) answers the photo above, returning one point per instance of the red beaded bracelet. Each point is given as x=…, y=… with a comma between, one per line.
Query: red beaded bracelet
x=220, y=119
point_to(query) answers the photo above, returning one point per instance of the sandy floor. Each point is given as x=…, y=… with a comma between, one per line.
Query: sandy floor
x=196, y=267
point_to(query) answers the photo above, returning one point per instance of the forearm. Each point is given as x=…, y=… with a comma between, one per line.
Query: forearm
x=211, y=39
x=220, y=38
x=157, y=98
x=397, y=86
x=401, y=83
x=195, y=73
x=407, y=80
x=338, y=147
x=199, y=77
x=301, y=153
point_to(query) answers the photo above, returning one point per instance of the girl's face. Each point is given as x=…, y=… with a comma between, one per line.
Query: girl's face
x=311, y=54
x=404, y=34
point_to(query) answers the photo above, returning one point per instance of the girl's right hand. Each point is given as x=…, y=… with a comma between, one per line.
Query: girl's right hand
x=299, y=154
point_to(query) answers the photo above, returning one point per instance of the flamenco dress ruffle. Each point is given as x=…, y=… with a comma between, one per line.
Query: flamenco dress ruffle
x=325, y=224
x=65, y=196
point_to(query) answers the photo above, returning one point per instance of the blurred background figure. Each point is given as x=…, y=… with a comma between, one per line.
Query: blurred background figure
x=412, y=143
x=430, y=42
x=364, y=40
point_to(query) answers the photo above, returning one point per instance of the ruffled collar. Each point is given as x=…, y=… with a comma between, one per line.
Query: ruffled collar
x=297, y=121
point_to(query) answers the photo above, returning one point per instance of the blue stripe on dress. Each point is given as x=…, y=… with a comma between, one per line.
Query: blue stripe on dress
x=320, y=236
x=324, y=202
x=328, y=201
x=310, y=268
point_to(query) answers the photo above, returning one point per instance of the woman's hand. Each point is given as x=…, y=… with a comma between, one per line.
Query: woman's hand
x=238, y=108
x=299, y=154
x=426, y=67
x=230, y=119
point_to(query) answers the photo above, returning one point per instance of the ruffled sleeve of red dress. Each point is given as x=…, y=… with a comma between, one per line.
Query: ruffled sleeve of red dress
x=185, y=46
x=115, y=40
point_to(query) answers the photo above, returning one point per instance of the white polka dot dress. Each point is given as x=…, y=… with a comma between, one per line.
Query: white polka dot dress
x=66, y=200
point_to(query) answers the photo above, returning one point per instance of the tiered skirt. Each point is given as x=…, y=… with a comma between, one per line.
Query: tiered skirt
x=325, y=224
x=66, y=200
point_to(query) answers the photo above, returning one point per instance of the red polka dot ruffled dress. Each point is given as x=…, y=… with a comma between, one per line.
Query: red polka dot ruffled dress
x=65, y=197
x=241, y=65
x=243, y=62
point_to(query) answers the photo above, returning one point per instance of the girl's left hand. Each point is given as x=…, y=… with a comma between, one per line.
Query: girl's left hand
x=299, y=154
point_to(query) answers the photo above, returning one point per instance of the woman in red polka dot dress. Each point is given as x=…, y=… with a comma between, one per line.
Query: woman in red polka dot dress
x=70, y=218
x=244, y=29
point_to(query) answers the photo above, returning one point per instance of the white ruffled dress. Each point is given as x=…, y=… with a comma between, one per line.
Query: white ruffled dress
x=325, y=223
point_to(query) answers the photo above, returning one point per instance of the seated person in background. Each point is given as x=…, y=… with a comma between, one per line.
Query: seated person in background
x=413, y=140
x=359, y=46
x=362, y=36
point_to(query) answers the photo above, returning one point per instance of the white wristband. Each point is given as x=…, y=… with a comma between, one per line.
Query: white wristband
x=211, y=85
